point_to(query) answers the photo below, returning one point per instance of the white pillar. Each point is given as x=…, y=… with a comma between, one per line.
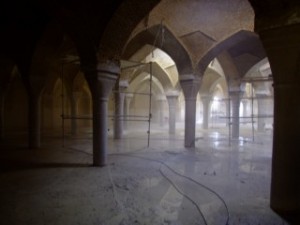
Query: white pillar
x=172, y=101
x=190, y=86
x=228, y=113
x=161, y=100
x=128, y=99
x=235, y=113
x=119, y=109
x=206, y=99
x=261, y=111
x=245, y=107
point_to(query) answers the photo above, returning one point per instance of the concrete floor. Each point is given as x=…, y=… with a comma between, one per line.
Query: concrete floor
x=164, y=184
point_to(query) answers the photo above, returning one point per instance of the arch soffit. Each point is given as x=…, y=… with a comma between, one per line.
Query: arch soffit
x=256, y=68
x=210, y=77
x=216, y=66
x=221, y=85
x=79, y=82
x=261, y=69
x=228, y=66
x=156, y=87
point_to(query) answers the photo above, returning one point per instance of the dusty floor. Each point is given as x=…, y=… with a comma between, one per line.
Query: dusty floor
x=213, y=184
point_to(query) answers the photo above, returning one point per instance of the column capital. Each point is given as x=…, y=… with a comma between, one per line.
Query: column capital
x=172, y=93
x=161, y=97
x=190, y=85
x=104, y=70
x=123, y=84
x=171, y=97
x=102, y=77
x=262, y=95
x=129, y=96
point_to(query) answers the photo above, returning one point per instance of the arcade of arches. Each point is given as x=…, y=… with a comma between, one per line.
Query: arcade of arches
x=101, y=78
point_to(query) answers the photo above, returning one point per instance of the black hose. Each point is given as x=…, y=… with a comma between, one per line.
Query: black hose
x=174, y=171
x=181, y=175
x=183, y=194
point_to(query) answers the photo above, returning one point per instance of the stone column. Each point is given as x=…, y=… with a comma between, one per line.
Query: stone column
x=245, y=107
x=206, y=99
x=128, y=99
x=101, y=80
x=161, y=100
x=34, y=120
x=172, y=101
x=228, y=111
x=283, y=50
x=190, y=86
x=262, y=111
x=235, y=113
x=74, y=110
x=119, y=109
x=243, y=118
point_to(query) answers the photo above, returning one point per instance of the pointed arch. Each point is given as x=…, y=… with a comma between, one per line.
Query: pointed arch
x=238, y=44
x=158, y=72
x=170, y=45
x=133, y=86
